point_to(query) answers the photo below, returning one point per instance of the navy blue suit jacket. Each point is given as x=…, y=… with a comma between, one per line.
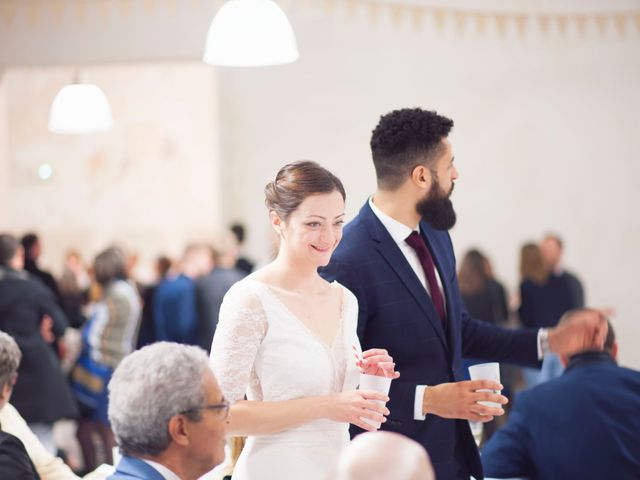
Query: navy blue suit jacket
x=584, y=424
x=131, y=468
x=396, y=313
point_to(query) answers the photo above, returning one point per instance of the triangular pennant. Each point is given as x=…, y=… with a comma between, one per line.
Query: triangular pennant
x=171, y=6
x=480, y=20
x=581, y=24
x=521, y=24
x=637, y=20
x=397, y=14
x=149, y=5
x=329, y=5
x=351, y=8
x=125, y=8
x=103, y=10
x=374, y=13
x=417, y=18
x=601, y=23
x=33, y=13
x=57, y=8
x=439, y=19
x=8, y=12
x=501, y=23
x=79, y=13
x=460, y=21
x=543, y=22
x=621, y=24
x=562, y=21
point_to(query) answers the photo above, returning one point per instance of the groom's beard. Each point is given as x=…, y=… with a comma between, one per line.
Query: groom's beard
x=436, y=207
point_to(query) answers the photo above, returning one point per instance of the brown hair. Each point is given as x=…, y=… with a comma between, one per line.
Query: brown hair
x=532, y=266
x=297, y=181
x=473, y=275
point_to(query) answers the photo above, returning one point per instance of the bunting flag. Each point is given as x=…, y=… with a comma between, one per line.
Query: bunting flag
x=399, y=14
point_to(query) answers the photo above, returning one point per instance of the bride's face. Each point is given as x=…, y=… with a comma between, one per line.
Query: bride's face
x=312, y=231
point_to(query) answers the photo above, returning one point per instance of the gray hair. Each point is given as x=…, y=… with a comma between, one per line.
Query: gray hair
x=10, y=357
x=149, y=387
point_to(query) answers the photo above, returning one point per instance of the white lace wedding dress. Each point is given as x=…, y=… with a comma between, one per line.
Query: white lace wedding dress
x=264, y=351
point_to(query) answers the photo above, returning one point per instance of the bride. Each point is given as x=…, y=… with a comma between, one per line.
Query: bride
x=286, y=339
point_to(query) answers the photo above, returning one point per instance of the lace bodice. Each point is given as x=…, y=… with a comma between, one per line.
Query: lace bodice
x=263, y=350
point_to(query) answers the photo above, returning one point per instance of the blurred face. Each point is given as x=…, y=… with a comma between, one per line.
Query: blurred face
x=551, y=252
x=207, y=439
x=313, y=230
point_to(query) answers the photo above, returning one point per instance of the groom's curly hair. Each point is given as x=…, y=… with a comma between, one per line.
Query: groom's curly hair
x=404, y=139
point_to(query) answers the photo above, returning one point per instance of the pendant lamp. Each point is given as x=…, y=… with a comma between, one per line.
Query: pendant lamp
x=80, y=108
x=250, y=33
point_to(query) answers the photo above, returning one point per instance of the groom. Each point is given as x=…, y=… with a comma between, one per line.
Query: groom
x=396, y=257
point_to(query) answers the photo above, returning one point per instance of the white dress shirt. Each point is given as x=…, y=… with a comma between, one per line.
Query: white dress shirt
x=162, y=470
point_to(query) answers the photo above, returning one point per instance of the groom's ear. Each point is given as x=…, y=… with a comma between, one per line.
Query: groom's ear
x=421, y=177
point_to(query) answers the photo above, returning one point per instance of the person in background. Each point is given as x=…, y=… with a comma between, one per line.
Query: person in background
x=108, y=336
x=552, y=248
x=584, y=424
x=544, y=298
x=212, y=287
x=181, y=434
x=30, y=314
x=383, y=456
x=242, y=263
x=32, y=250
x=147, y=333
x=175, y=307
x=482, y=294
x=13, y=465
x=74, y=288
x=485, y=300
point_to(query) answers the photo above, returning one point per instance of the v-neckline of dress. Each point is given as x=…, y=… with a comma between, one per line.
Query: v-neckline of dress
x=304, y=326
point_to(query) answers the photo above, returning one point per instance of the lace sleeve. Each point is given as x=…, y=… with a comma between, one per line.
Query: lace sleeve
x=242, y=326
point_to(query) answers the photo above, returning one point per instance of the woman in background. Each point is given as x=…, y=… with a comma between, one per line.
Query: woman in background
x=108, y=336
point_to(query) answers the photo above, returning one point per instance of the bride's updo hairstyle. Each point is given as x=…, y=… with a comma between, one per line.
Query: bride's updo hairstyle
x=297, y=181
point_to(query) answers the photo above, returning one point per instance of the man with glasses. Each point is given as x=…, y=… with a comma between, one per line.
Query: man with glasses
x=167, y=413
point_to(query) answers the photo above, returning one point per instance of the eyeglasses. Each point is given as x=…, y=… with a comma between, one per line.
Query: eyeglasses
x=222, y=407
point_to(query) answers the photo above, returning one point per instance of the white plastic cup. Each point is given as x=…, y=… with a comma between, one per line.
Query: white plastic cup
x=378, y=384
x=486, y=371
x=115, y=452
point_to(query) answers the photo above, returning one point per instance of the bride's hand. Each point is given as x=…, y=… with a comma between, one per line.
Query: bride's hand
x=377, y=361
x=352, y=405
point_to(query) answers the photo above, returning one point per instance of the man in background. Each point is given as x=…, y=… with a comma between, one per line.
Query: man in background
x=584, y=424
x=175, y=307
x=552, y=249
x=32, y=250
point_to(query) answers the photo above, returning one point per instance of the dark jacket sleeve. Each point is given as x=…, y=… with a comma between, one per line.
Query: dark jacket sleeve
x=15, y=464
x=506, y=454
x=47, y=305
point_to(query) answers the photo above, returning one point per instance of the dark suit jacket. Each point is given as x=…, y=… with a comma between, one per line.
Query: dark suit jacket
x=210, y=290
x=42, y=393
x=584, y=424
x=396, y=313
x=15, y=464
x=131, y=468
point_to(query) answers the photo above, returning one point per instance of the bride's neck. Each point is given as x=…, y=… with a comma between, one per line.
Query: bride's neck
x=293, y=275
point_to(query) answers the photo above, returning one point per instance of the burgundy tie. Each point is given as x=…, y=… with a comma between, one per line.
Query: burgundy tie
x=416, y=242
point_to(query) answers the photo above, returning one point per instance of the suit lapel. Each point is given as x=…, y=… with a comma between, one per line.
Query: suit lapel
x=397, y=261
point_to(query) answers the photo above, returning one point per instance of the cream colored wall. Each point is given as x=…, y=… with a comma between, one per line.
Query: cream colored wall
x=546, y=134
x=546, y=137
x=4, y=177
x=151, y=184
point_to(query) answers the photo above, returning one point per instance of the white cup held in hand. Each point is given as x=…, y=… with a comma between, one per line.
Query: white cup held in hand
x=486, y=371
x=378, y=384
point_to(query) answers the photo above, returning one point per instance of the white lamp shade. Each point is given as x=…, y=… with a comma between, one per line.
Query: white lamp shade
x=250, y=33
x=80, y=108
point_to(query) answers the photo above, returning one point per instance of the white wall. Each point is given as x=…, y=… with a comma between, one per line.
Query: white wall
x=150, y=184
x=546, y=137
x=546, y=134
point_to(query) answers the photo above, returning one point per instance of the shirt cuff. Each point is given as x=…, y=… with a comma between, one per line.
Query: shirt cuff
x=543, y=343
x=417, y=404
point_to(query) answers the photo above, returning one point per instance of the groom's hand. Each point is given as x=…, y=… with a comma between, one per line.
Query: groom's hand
x=460, y=400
